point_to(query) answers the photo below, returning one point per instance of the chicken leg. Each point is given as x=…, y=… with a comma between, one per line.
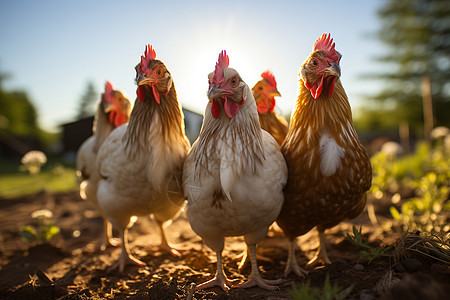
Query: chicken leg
x=255, y=278
x=220, y=279
x=244, y=258
x=321, y=254
x=126, y=257
x=164, y=245
x=108, y=239
x=292, y=265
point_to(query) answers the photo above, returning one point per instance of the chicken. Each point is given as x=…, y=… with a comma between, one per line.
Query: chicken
x=265, y=92
x=234, y=175
x=329, y=169
x=141, y=162
x=113, y=110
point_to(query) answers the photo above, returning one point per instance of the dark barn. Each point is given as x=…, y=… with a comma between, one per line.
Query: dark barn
x=75, y=133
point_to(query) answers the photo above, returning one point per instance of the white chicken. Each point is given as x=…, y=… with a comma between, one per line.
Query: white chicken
x=113, y=110
x=141, y=162
x=234, y=175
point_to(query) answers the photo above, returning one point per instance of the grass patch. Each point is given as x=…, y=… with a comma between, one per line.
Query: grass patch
x=53, y=179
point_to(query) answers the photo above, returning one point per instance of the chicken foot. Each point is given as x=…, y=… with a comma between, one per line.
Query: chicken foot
x=321, y=254
x=220, y=279
x=126, y=258
x=255, y=278
x=292, y=265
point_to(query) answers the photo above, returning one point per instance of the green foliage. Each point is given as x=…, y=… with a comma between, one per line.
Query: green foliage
x=19, y=114
x=424, y=211
x=369, y=253
x=328, y=292
x=380, y=120
x=19, y=118
x=415, y=33
x=384, y=172
x=427, y=172
x=43, y=230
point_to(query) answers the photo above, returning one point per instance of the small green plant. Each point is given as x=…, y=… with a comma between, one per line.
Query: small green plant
x=369, y=253
x=328, y=292
x=43, y=230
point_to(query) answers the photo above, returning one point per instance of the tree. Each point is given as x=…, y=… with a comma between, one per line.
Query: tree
x=18, y=114
x=87, y=102
x=417, y=34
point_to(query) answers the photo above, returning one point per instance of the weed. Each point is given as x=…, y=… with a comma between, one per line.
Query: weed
x=328, y=292
x=369, y=253
x=43, y=230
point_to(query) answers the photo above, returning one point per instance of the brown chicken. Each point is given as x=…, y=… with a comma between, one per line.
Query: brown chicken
x=329, y=171
x=265, y=92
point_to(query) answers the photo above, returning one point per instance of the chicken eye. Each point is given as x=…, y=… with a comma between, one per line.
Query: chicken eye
x=159, y=72
x=234, y=81
x=260, y=88
x=314, y=63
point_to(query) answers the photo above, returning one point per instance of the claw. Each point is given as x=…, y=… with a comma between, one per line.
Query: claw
x=219, y=280
x=262, y=283
x=123, y=261
x=292, y=265
x=255, y=278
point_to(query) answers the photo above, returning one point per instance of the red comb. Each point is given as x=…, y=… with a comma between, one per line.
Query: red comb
x=149, y=54
x=109, y=92
x=268, y=76
x=221, y=64
x=325, y=44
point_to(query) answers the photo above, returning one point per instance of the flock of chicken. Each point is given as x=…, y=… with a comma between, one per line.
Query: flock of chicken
x=246, y=170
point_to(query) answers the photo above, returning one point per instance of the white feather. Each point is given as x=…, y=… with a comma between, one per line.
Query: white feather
x=330, y=155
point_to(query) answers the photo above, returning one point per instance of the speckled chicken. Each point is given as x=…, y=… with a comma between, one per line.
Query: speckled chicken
x=113, y=110
x=234, y=175
x=264, y=92
x=329, y=170
x=141, y=162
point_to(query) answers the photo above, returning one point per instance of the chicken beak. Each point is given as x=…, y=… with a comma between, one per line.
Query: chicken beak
x=108, y=107
x=142, y=79
x=274, y=93
x=215, y=92
x=333, y=70
x=146, y=81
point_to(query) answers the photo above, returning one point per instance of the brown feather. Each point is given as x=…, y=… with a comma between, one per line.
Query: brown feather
x=172, y=122
x=311, y=198
x=275, y=125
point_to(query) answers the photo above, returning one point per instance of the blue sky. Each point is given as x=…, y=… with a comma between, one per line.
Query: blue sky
x=53, y=48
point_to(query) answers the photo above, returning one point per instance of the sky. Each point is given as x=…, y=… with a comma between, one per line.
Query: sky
x=52, y=49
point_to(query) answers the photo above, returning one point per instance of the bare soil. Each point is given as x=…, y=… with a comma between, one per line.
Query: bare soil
x=70, y=267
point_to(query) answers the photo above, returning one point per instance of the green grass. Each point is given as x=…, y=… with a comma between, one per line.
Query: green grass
x=53, y=179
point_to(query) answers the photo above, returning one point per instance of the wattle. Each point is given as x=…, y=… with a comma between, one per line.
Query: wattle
x=215, y=109
x=231, y=108
x=140, y=92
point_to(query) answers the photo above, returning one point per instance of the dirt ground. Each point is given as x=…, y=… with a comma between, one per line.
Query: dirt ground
x=69, y=267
